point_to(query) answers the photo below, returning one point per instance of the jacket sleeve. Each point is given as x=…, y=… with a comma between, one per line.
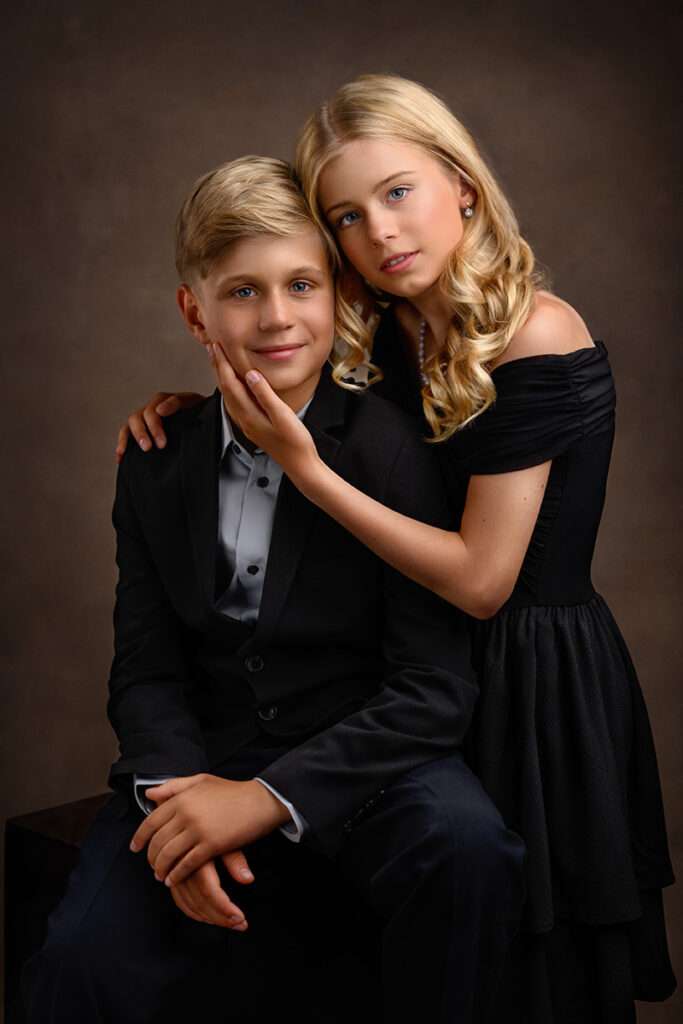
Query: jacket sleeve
x=149, y=679
x=426, y=698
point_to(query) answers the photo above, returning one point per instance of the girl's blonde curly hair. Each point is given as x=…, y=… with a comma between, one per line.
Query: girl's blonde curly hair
x=489, y=278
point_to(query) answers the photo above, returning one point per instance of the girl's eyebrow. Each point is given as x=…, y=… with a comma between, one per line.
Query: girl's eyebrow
x=376, y=188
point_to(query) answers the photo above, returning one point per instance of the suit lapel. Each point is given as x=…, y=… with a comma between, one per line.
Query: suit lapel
x=294, y=513
x=199, y=470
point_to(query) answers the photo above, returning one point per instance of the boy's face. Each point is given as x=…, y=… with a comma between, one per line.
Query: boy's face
x=270, y=302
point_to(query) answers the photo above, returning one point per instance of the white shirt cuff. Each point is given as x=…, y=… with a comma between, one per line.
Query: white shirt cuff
x=140, y=783
x=295, y=828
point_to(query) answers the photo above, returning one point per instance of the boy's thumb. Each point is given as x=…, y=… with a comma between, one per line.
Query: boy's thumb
x=236, y=864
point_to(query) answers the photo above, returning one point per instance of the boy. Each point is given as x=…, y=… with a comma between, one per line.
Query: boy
x=284, y=680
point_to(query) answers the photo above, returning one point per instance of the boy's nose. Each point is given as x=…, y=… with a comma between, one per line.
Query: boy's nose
x=275, y=315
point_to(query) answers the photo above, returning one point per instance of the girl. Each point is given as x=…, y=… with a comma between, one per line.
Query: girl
x=519, y=401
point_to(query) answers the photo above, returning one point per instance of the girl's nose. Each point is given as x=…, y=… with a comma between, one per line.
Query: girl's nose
x=381, y=226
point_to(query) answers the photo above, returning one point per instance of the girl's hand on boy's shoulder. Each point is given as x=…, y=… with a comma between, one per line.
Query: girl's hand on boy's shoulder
x=144, y=424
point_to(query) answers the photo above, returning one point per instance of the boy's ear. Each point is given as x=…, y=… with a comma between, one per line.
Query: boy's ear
x=191, y=312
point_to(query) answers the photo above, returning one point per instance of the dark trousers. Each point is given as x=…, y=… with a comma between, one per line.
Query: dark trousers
x=426, y=893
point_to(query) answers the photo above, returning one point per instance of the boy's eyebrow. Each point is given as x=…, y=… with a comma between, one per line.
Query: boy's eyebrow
x=376, y=188
x=311, y=268
x=248, y=276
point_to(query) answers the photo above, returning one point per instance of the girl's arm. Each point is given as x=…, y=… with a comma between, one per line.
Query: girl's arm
x=474, y=569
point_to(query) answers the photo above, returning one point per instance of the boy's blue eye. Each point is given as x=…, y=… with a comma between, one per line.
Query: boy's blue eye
x=240, y=292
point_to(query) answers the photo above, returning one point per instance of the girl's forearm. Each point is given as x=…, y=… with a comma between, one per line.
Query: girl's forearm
x=437, y=559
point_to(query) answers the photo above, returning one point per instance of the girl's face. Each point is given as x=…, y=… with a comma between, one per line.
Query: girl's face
x=395, y=211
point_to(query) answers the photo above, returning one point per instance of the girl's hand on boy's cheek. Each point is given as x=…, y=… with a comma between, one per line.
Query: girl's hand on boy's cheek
x=266, y=420
x=144, y=424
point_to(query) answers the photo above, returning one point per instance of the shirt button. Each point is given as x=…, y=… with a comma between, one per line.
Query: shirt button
x=262, y=481
x=252, y=569
x=267, y=714
x=236, y=448
x=254, y=663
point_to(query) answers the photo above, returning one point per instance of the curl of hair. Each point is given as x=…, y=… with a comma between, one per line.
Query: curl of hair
x=489, y=279
x=352, y=367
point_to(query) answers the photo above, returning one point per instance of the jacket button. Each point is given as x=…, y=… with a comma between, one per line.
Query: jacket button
x=254, y=663
x=267, y=714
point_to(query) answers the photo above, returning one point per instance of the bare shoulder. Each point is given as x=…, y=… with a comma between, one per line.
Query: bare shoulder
x=553, y=328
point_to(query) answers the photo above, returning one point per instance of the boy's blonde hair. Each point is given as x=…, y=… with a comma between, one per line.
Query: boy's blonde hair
x=250, y=196
x=489, y=278
x=245, y=198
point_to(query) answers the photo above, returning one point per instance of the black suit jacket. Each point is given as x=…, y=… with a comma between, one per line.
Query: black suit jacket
x=361, y=671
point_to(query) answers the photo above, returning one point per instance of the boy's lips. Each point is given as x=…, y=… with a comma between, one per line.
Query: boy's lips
x=399, y=261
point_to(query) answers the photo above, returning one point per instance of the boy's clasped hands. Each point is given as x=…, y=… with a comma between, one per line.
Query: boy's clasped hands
x=200, y=817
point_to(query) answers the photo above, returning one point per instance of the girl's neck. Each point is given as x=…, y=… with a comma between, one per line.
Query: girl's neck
x=433, y=307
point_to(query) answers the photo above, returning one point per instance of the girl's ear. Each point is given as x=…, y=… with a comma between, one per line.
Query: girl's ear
x=191, y=312
x=468, y=196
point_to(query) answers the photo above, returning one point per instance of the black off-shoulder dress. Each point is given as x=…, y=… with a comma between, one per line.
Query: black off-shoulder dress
x=561, y=738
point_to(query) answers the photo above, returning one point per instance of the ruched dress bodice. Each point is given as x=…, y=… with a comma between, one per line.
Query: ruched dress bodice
x=558, y=407
x=561, y=737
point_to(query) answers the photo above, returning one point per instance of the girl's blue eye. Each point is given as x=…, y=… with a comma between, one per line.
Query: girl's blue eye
x=344, y=221
x=240, y=292
x=399, y=188
x=300, y=286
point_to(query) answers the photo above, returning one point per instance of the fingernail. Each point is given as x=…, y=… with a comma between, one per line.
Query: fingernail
x=253, y=377
x=168, y=881
x=246, y=873
x=144, y=444
x=209, y=352
x=134, y=847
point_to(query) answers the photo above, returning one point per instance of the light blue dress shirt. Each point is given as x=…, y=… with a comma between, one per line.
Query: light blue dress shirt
x=247, y=492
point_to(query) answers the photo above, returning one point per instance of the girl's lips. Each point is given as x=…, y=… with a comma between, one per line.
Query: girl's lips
x=405, y=259
x=278, y=353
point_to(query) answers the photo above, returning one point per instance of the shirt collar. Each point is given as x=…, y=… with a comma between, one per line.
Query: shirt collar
x=228, y=435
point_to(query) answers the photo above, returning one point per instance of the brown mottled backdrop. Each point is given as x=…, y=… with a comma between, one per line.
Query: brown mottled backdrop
x=112, y=109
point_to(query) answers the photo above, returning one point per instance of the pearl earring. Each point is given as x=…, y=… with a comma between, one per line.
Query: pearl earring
x=468, y=212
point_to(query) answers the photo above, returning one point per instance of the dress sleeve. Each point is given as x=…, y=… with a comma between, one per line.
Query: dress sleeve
x=544, y=405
